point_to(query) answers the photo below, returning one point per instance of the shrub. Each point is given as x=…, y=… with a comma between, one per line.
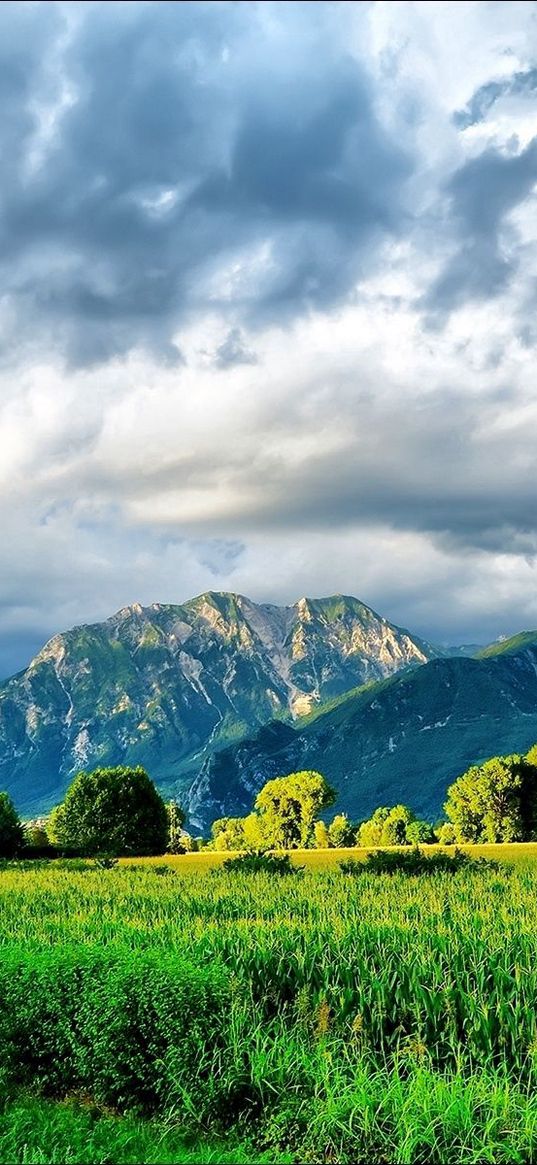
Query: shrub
x=130, y=1028
x=279, y=864
x=410, y=862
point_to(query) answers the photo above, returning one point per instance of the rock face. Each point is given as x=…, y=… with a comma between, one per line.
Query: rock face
x=165, y=685
x=405, y=739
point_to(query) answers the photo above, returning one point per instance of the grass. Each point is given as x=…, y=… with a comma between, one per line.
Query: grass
x=188, y=1012
x=73, y=1132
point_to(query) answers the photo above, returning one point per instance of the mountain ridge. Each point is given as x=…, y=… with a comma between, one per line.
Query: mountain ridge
x=403, y=738
x=166, y=684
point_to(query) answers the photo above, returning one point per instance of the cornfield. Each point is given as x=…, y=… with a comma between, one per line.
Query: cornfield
x=326, y=1018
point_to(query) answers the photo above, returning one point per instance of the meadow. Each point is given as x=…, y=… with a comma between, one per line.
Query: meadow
x=168, y=1010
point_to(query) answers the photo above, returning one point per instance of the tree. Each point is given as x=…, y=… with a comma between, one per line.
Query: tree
x=36, y=836
x=321, y=836
x=395, y=826
x=370, y=831
x=114, y=811
x=447, y=834
x=420, y=833
x=288, y=807
x=176, y=819
x=495, y=801
x=340, y=831
x=11, y=831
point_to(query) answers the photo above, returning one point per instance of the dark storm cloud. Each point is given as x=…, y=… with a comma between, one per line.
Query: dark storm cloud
x=183, y=138
x=522, y=83
x=482, y=193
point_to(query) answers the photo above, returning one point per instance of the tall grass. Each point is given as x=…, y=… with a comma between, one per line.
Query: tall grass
x=326, y=1017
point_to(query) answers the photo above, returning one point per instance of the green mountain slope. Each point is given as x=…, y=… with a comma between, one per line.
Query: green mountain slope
x=405, y=738
x=166, y=685
x=508, y=646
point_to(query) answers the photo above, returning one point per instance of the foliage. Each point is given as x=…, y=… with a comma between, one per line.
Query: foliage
x=406, y=861
x=446, y=833
x=495, y=801
x=11, y=831
x=80, y=1132
x=394, y=829
x=176, y=819
x=113, y=811
x=261, y=863
x=395, y=826
x=289, y=806
x=420, y=833
x=320, y=835
x=369, y=833
x=36, y=836
x=337, y=1019
x=340, y=832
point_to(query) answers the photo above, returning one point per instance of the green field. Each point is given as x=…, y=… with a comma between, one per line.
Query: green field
x=164, y=1011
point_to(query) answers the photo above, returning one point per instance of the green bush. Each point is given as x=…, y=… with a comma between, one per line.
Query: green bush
x=135, y=1030
x=408, y=862
x=261, y=864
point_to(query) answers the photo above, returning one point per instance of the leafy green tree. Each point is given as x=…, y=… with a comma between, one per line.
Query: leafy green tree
x=289, y=806
x=321, y=835
x=176, y=819
x=36, y=836
x=115, y=811
x=420, y=833
x=396, y=825
x=370, y=831
x=340, y=831
x=11, y=831
x=495, y=801
x=228, y=834
x=446, y=833
x=255, y=835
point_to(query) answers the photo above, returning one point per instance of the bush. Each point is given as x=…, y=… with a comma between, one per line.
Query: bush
x=411, y=862
x=279, y=864
x=131, y=1029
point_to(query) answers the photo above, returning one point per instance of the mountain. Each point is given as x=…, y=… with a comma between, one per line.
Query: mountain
x=402, y=739
x=164, y=686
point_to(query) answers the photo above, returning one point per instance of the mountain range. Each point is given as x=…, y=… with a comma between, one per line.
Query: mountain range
x=166, y=685
x=218, y=694
x=402, y=739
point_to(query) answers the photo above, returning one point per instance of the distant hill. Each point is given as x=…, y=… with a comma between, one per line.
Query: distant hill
x=403, y=739
x=166, y=685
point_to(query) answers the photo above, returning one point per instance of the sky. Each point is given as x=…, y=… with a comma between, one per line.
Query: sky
x=268, y=289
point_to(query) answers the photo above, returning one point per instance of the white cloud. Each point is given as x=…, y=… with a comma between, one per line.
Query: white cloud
x=346, y=441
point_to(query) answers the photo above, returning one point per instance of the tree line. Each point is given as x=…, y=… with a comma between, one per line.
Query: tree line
x=120, y=812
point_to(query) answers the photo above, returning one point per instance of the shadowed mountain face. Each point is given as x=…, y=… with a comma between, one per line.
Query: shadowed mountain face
x=164, y=686
x=404, y=739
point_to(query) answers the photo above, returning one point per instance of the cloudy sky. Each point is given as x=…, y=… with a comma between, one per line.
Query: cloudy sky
x=268, y=287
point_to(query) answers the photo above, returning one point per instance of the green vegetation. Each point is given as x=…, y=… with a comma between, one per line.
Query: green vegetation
x=314, y=1018
x=114, y=811
x=496, y=801
x=261, y=864
x=284, y=815
x=508, y=646
x=41, y=1132
x=413, y=861
x=395, y=826
x=11, y=831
